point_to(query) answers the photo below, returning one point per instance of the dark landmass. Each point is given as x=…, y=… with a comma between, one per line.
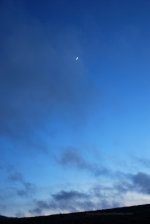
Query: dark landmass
x=135, y=214
x=2, y=217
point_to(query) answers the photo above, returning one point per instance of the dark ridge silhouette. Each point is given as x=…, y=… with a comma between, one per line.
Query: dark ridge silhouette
x=135, y=214
x=3, y=217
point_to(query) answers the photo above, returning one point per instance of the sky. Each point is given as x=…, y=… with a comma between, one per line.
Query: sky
x=74, y=105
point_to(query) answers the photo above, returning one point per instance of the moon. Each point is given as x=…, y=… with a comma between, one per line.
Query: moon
x=77, y=58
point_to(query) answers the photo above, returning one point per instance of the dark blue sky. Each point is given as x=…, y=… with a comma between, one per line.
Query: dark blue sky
x=74, y=134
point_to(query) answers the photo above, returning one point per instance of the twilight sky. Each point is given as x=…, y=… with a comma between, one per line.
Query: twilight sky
x=74, y=134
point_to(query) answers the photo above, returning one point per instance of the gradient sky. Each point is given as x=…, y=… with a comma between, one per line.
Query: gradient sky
x=74, y=134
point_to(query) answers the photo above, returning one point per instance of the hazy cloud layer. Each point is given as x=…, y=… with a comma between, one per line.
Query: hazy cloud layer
x=40, y=79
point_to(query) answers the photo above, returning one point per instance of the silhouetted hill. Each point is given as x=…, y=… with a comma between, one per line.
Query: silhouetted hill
x=135, y=214
x=3, y=217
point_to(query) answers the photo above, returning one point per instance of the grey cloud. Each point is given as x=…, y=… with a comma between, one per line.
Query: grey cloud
x=64, y=195
x=98, y=197
x=123, y=186
x=124, y=183
x=27, y=190
x=141, y=181
x=40, y=206
x=72, y=158
x=38, y=210
x=52, y=205
x=73, y=201
x=15, y=187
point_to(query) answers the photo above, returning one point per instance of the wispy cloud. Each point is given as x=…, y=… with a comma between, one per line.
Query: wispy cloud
x=27, y=190
x=72, y=158
x=144, y=161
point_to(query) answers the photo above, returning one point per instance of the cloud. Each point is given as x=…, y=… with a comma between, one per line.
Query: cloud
x=123, y=186
x=64, y=195
x=71, y=158
x=68, y=200
x=99, y=196
x=141, y=181
x=15, y=192
x=27, y=189
x=40, y=207
x=74, y=201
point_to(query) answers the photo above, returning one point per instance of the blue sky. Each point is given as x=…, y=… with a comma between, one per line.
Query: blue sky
x=74, y=134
